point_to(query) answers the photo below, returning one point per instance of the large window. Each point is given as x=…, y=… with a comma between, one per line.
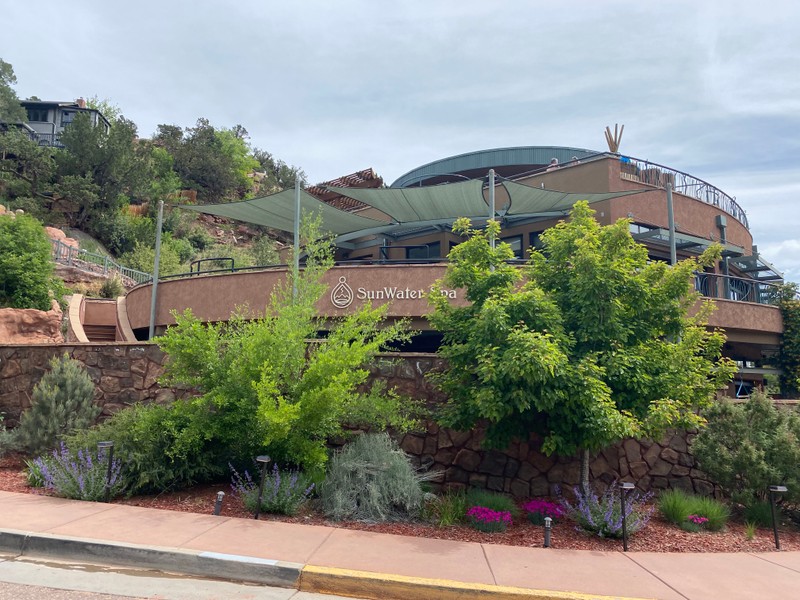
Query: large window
x=432, y=250
x=37, y=114
x=66, y=117
x=535, y=240
x=515, y=241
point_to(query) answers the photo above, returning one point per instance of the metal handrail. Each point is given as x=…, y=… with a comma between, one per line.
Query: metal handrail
x=740, y=289
x=99, y=263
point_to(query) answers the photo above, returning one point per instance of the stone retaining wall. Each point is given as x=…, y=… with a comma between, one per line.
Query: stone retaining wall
x=127, y=373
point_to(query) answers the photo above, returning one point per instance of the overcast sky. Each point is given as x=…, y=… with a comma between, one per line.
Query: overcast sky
x=706, y=87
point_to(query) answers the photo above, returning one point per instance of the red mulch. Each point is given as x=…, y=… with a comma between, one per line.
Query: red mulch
x=658, y=536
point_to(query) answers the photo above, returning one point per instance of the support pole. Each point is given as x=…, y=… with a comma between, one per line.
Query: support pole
x=491, y=202
x=296, y=267
x=154, y=289
x=673, y=254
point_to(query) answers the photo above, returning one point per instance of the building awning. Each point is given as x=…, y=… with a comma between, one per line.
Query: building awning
x=277, y=211
x=532, y=201
x=409, y=205
x=684, y=241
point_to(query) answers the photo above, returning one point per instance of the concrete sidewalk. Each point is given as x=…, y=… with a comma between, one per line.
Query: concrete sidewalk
x=370, y=565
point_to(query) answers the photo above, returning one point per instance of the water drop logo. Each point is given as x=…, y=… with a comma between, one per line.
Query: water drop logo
x=342, y=294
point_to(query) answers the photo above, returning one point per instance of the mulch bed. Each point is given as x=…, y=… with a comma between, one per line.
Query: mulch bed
x=658, y=536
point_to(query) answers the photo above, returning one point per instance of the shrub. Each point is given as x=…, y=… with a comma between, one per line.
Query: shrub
x=678, y=507
x=448, y=509
x=488, y=520
x=759, y=512
x=284, y=491
x=492, y=500
x=26, y=270
x=163, y=447
x=112, y=288
x=603, y=514
x=81, y=475
x=371, y=479
x=747, y=447
x=538, y=509
x=62, y=403
x=750, y=529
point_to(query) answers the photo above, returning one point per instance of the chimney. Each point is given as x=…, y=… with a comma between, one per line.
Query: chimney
x=81, y=103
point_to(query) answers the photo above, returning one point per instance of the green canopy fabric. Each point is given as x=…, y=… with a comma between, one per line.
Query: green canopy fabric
x=409, y=205
x=527, y=200
x=277, y=211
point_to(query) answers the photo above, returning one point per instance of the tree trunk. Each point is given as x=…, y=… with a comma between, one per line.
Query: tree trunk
x=584, y=471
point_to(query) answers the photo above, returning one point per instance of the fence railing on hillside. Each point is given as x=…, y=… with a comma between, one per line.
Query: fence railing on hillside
x=96, y=263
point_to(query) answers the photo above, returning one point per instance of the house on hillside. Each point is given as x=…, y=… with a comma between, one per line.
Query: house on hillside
x=47, y=119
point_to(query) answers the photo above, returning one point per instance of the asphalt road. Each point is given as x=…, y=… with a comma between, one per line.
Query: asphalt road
x=22, y=578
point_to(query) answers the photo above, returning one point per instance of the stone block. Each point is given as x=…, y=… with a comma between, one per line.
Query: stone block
x=633, y=451
x=681, y=483
x=624, y=471
x=493, y=463
x=426, y=461
x=497, y=484
x=478, y=480
x=661, y=467
x=651, y=455
x=669, y=455
x=430, y=445
x=110, y=385
x=703, y=487
x=519, y=488
x=659, y=483
x=678, y=443
x=444, y=440
x=527, y=472
x=599, y=466
x=540, y=461
x=639, y=469
x=446, y=455
x=540, y=486
x=679, y=471
x=459, y=438
x=511, y=468
x=413, y=444
x=685, y=459
x=468, y=459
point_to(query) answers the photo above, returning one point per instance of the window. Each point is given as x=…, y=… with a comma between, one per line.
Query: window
x=515, y=242
x=37, y=114
x=535, y=239
x=432, y=250
x=66, y=117
x=638, y=228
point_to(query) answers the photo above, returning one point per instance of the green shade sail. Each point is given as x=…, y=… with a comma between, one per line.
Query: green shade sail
x=527, y=200
x=410, y=205
x=277, y=211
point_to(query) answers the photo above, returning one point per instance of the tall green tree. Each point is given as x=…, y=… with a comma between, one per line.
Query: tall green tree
x=26, y=270
x=11, y=110
x=591, y=343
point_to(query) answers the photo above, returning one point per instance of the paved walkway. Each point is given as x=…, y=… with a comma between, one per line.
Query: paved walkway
x=370, y=565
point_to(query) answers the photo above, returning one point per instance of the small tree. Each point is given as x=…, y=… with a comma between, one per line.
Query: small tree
x=26, y=269
x=273, y=383
x=62, y=403
x=789, y=356
x=588, y=345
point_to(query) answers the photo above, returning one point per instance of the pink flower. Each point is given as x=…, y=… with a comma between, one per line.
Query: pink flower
x=697, y=519
x=544, y=508
x=481, y=514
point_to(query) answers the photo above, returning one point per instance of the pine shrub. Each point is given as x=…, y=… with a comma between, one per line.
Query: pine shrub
x=372, y=480
x=62, y=403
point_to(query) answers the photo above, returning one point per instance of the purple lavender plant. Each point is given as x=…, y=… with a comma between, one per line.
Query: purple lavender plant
x=80, y=476
x=603, y=514
x=284, y=491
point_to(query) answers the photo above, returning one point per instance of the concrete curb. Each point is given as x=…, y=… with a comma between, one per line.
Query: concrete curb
x=202, y=564
x=380, y=586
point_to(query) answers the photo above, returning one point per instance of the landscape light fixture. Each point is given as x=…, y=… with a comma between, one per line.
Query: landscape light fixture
x=775, y=489
x=263, y=460
x=110, y=447
x=624, y=488
x=548, y=525
x=218, y=503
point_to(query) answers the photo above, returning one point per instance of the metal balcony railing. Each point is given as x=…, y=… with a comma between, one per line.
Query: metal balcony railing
x=97, y=263
x=741, y=289
x=642, y=171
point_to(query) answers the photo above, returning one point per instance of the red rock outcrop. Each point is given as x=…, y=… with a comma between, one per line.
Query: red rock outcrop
x=31, y=326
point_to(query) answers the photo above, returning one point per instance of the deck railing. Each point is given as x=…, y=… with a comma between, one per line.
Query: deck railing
x=741, y=289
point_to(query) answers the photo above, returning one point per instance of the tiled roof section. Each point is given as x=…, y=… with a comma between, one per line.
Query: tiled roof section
x=360, y=179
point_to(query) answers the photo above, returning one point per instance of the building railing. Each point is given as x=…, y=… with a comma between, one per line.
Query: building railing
x=97, y=263
x=50, y=140
x=741, y=289
x=642, y=171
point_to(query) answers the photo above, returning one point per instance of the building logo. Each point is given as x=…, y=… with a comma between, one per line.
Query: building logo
x=342, y=294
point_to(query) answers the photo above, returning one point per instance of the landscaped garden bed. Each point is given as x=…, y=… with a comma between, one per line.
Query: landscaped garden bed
x=657, y=536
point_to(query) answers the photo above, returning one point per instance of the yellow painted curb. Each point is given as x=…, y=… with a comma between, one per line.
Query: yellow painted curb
x=380, y=586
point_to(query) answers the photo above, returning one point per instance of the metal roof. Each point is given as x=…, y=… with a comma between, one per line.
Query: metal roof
x=521, y=158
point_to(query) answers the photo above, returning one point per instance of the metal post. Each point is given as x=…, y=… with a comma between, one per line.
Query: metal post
x=548, y=524
x=773, y=489
x=110, y=447
x=673, y=254
x=296, y=271
x=263, y=461
x=218, y=503
x=624, y=488
x=491, y=203
x=154, y=289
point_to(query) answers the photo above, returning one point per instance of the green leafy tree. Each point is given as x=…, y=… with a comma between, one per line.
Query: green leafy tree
x=26, y=270
x=588, y=345
x=26, y=170
x=10, y=109
x=789, y=356
x=280, y=176
x=270, y=383
x=749, y=446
